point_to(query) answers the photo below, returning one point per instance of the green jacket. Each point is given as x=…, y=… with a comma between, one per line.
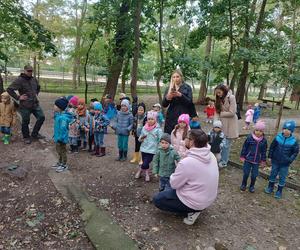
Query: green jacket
x=164, y=162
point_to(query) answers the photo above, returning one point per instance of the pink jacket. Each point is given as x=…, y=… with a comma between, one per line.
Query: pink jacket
x=178, y=143
x=249, y=115
x=196, y=178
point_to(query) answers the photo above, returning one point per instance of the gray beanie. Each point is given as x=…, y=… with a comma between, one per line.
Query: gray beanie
x=217, y=124
x=166, y=137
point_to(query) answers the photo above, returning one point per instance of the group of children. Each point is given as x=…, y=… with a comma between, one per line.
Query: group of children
x=83, y=127
x=252, y=115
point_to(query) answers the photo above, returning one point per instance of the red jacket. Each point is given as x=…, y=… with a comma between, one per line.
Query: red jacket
x=210, y=111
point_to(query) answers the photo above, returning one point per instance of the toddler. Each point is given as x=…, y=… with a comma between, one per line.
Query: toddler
x=216, y=139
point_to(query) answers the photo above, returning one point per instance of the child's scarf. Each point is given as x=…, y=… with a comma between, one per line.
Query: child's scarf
x=81, y=111
x=257, y=139
x=149, y=128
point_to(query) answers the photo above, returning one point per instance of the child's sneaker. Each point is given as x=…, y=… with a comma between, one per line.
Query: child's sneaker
x=222, y=165
x=147, y=176
x=191, y=218
x=62, y=168
x=243, y=187
x=56, y=165
x=251, y=189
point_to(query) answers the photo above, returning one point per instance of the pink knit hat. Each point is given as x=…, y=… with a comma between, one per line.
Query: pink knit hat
x=184, y=118
x=74, y=101
x=152, y=114
x=260, y=125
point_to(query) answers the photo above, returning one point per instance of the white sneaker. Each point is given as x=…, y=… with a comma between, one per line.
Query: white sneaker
x=62, y=168
x=222, y=165
x=191, y=218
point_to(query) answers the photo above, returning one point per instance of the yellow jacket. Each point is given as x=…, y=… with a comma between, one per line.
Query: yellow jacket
x=7, y=114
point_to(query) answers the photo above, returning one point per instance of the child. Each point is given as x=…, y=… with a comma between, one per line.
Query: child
x=7, y=117
x=150, y=137
x=73, y=104
x=160, y=116
x=253, y=154
x=283, y=151
x=249, y=117
x=82, y=115
x=91, y=114
x=210, y=111
x=99, y=125
x=123, y=126
x=164, y=162
x=179, y=134
x=195, y=123
x=73, y=126
x=216, y=139
x=61, y=131
x=256, y=113
x=139, y=122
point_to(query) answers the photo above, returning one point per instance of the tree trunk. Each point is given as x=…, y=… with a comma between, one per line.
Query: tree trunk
x=1, y=84
x=290, y=71
x=79, y=23
x=247, y=93
x=231, y=43
x=161, y=13
x=203, y=88
x=119, y=50
x=262, y=91
x=125, y=73
x=137, y=45
x=240, y=93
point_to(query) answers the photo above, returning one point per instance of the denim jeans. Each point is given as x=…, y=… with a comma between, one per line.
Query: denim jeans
x=281, y=170
x=99, y=139
x=168, y=201
x=250, y=167
x=164, y=183
x=73, y=141
x=40, y=118
x=146, y=158
x=123, y=142
x=226, y=151
x=5, y=130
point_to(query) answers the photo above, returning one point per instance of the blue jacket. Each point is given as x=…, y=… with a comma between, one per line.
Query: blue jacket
x=100, y=123
x=254, y=151
x=124, y=123
x=150, y=143
x=61, y=127
x=256, y=114
x=283, y=150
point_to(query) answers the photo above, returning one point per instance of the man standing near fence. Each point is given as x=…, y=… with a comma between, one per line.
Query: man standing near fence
x=28, y=89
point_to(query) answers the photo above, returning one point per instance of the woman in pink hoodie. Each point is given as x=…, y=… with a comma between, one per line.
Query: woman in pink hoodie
x=179, y=134
x=195, y=180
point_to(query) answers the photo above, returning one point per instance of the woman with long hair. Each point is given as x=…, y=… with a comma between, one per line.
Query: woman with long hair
x=226, y=112
x=178, y=99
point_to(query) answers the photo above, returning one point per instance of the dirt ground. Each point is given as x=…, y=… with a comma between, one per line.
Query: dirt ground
x=35, y=216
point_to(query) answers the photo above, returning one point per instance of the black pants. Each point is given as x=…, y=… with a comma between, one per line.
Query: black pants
x=137, y=144
x=147, y=158
x=40, y=118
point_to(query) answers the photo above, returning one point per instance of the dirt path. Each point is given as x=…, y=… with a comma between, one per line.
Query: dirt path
x=237, y=220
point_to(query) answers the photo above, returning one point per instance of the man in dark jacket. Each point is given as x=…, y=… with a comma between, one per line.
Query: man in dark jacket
x=28, y=89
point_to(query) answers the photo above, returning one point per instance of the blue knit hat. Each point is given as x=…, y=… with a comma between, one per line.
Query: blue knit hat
x=61, y=103
x=290, y=125
x=97, y=106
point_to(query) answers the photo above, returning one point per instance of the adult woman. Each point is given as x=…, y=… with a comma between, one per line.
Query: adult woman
x=179, y=100
x=226, y=112
x=194, y=184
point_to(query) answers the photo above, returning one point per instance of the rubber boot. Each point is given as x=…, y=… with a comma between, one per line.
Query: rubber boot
x=120, y=155
x=6, y=139
x=78, y=143
x=244, y=183
x=138, y=173
x=76, y=149
x=278, y=193
x=269, y=189
x=252, y=183
x=102, y=152
x=147, y=175
x=135, y=157
x=124, y=156
x=97, y=152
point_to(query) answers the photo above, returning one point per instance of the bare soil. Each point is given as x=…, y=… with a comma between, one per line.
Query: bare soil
x=238, y=220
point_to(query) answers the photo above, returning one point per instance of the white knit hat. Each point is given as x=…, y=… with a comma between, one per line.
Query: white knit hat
x=217, y=124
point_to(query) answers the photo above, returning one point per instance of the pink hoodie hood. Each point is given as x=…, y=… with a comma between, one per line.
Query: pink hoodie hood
x=196, y=178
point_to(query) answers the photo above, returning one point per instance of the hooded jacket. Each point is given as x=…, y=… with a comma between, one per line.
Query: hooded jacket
x=164, y=161
x=61, y=126
x=283, y=150
x=254, y=151
x=196, y=178
x=150, y=143
x=7, y=114
x=178, y=143
x=25, y=85
x=124, y=123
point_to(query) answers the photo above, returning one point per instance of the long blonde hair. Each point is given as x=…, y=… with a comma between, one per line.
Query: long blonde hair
x=172, y=85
